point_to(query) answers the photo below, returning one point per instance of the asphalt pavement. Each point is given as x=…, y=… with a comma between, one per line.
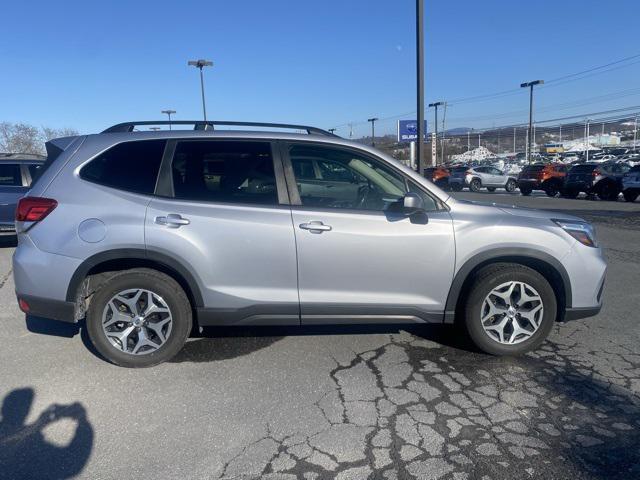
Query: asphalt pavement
x=336, y=402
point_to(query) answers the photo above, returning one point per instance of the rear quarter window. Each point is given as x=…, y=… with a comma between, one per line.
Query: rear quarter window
x=10, y=175
x=129, y=166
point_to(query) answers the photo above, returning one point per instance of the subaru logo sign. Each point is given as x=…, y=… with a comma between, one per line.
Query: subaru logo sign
x=408, y=130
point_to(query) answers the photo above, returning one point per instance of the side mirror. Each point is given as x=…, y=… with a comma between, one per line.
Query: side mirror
x=412, y=202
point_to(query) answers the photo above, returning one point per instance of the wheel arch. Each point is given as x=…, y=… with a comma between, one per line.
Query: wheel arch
x=548, y=266
x=126, y=258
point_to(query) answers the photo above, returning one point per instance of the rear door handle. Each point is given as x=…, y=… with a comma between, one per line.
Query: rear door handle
x=315, y=226
x=172, y=220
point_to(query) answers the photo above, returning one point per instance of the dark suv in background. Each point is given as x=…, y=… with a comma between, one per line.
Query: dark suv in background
x=549, y=177
x=17, y=171
x=603, y=180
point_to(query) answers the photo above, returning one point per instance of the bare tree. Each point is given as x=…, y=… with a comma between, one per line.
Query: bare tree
x=25, y=138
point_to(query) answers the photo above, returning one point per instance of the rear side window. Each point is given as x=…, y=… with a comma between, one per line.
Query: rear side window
x=34, y=171
x=10, y=175
x=224, y=171
x=130, y=166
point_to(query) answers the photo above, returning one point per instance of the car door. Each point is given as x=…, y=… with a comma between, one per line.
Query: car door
x=223, y=215
x=498, y=178
x=359, y=258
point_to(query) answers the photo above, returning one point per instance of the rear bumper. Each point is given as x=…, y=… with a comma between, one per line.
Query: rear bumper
x=7, y=228
x=47, y=308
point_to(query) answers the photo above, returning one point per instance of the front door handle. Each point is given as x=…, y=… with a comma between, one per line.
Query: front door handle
x=172, y=220
x=315, y=226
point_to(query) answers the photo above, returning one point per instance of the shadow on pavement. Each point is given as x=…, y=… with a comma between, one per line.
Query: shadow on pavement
x=25, y=453
x=45, y=326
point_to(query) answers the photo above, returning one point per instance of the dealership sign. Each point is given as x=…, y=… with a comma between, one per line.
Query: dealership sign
x=408, y=130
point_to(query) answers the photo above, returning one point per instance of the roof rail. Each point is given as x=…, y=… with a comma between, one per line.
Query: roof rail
x=210, y=125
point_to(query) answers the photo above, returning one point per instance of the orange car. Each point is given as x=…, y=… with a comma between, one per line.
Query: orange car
x=438, y=175
x=549, y=178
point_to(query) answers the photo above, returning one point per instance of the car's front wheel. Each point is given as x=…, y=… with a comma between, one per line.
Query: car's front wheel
x=510, y=309
x=510, y=186
x=475, y=185
x=139, y=318
x=630, y=196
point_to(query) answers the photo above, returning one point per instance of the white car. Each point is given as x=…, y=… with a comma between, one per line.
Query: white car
x=489, y=177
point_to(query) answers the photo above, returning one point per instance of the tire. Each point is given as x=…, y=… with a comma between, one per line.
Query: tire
x=526, y=191
x=475, y=185
x=608, y=191
x=552, y=189
x=491, y=189
x=486, y=281
x=456, y=187
x=166, y=292
x=630, y=196
x=570, y=193
x=510, y=186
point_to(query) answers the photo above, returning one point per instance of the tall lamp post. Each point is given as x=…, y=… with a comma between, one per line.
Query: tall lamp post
x=168, y=113
x=373, y=130
x=420, y=81
x=436, y=105
x=200, y=64
x=530, y=86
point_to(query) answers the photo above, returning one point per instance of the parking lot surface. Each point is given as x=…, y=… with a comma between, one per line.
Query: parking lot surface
x=336, y=402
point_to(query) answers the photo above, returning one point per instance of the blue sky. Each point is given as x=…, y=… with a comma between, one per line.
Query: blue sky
x=88, y=65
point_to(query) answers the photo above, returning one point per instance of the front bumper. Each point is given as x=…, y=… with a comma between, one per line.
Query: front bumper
x=581, y=312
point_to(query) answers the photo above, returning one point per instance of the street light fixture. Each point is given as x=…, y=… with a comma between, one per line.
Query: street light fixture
x=373, y=130
x=155, y=129
x=331, y=130
x=436, y=105
x=530, y=86
x=420, y=81
x=200, y=64
x=169, y=113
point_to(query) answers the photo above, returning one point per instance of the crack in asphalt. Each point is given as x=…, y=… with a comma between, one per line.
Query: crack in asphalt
x=415, y=409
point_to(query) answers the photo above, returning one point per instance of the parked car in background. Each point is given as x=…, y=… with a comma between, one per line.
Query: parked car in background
x=631, y=184
x=601, y=179
x=489, y=178
x=457, y=176
x=438, y=175
x=220, y=227
x=17, y=170
x=548, y=177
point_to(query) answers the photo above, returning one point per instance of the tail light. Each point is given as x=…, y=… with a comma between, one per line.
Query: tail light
x=595, y=173
x=469, y=172
x=34, y=209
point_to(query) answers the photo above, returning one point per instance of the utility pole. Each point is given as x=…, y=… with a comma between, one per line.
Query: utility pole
x=530, y=86
x=169, y=113
x=479, y=143
x=560, y=133
x=420, y=80
x=200, y=64
x=444, y=133
x=586, y=137
x=436, y=105
x=373, y=130
x=468, y=140
x=498, y=142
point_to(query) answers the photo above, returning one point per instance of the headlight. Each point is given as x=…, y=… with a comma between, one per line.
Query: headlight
x=581, y=231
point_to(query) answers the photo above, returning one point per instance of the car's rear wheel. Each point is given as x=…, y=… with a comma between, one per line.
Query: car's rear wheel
x=491, y=189
x=139, y=318
x=608, y=191
x=552, y=189
x=456, y=187
x=526, y=191
x=510, y=309
x=510, y=186
x=630, y=196
x=475, y=185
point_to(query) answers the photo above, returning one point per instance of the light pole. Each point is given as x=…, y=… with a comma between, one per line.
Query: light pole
x=514, y=140
x=373, y=130
x=479, y=143
x=586, y=137
x=200, y=64
x=530, y=85
x=436, y=105
x=169, y=113
x=420, y=80
x=468, y=140
x=331, y=130
x=635, y=132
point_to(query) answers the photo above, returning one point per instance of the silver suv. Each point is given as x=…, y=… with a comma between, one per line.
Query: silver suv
x=489, y=177
x=147, y=235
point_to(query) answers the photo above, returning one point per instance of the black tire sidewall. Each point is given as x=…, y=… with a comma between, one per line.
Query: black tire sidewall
x=171, y=293
x=525, y=191
x=629, y=196
x=489, y=278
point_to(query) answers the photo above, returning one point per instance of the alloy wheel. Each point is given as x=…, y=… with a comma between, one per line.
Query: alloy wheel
x=137, y=321
x=511, y=313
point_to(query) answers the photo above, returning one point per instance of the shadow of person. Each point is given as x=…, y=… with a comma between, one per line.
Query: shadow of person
x=25, y=453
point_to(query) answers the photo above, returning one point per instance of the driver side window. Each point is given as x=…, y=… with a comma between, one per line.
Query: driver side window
x=348, y=180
